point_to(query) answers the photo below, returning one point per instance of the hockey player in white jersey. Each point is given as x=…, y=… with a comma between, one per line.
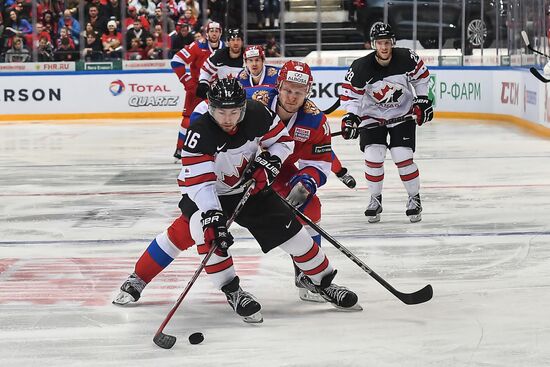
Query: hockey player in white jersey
x=385, y=93
x=222, y=63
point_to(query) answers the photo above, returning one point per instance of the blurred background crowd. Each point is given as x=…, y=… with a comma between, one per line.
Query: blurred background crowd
x=103, y=30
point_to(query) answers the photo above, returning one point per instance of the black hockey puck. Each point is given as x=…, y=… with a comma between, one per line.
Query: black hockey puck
x=196, y=338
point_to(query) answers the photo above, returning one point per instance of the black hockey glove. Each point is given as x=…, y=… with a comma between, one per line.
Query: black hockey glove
x=202, y=90
x=263, y=170
x=350, y=126
x=214, y=225
x=422, y=108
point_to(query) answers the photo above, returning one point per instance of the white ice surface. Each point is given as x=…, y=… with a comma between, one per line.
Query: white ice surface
x=80, y=202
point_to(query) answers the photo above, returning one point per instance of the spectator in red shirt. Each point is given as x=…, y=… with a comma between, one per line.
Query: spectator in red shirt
x=133, y=16
x=111, y=34
x=189, y=18
x=135, y=52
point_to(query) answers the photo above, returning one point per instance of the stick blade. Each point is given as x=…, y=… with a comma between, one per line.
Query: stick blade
x=164, y=340
x=423, y=295
x=538, y=75
x=525, y=38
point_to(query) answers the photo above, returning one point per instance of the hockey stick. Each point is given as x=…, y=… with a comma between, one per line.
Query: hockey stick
x=167, y=341
x=528, y=45
x=332, y=108
x=538, y=75
x=394, y=121
x=420, y=296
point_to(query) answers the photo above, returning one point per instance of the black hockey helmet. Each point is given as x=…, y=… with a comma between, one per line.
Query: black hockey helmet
x=226, y=93
x=234, y=33
x=381, y=31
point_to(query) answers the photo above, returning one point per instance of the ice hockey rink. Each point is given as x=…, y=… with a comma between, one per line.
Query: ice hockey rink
x=80, y=201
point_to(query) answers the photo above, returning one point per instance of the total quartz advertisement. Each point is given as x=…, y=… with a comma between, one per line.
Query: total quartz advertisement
x=91, y=93
x=495, y=91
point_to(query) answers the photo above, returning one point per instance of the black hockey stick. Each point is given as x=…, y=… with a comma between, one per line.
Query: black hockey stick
x=332, y=108
x=420, y=296
x=538, y=75
x=393, y=121
x=167, y=341
x=532, y=69
x=528, y=45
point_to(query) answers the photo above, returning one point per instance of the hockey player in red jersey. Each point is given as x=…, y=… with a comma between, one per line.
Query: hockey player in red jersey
x=390, y=83
x=221, y=141
x=193, y=56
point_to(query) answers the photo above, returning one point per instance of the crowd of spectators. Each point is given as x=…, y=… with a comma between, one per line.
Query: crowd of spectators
x=103, y=30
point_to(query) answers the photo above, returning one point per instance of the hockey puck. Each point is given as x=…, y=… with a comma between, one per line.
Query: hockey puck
x=196, y=338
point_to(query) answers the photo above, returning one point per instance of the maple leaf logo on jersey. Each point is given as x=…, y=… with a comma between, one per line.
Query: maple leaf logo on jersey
x=233, y=178
x=388, y=94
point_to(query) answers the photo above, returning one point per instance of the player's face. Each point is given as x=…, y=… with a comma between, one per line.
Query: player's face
x=227, y=118
x=383, y=48
x=292, y=96
x=255, y=65
x=213, y=35
x=235, y=45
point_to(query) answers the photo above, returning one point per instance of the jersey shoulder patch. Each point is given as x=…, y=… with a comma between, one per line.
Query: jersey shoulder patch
x=243, y=74
x=262, y=94
x=309, y=115
x=271, y=71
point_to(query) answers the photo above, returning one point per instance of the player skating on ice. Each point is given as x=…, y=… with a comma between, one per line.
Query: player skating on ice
x=390, y=83
x=223, y=62
x=193, y=57
x=218, y=157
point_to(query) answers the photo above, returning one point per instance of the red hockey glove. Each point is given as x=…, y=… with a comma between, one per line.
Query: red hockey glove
x=422, y=108
x=350, y=126
x=263, y=170
x=214, y=225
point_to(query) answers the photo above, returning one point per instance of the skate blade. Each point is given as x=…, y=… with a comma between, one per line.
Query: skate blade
x=415, y=218
x=123, y=298
x=374, y=219
x=355, y=308
x=308, y=296
x=255, y=318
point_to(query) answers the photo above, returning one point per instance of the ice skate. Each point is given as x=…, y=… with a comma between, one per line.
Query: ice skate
x=242, y=302
x=346, y=178
x=338, y=296
x=374, y=209
x=303, y=292
x=414, y=208
x=130, y=290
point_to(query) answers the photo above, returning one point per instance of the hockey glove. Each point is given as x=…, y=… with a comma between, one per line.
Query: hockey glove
x=422, y=108
x=304, y=187
x=214, y=225
x=263, y=170
x=202, y=90
x=350, y=126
